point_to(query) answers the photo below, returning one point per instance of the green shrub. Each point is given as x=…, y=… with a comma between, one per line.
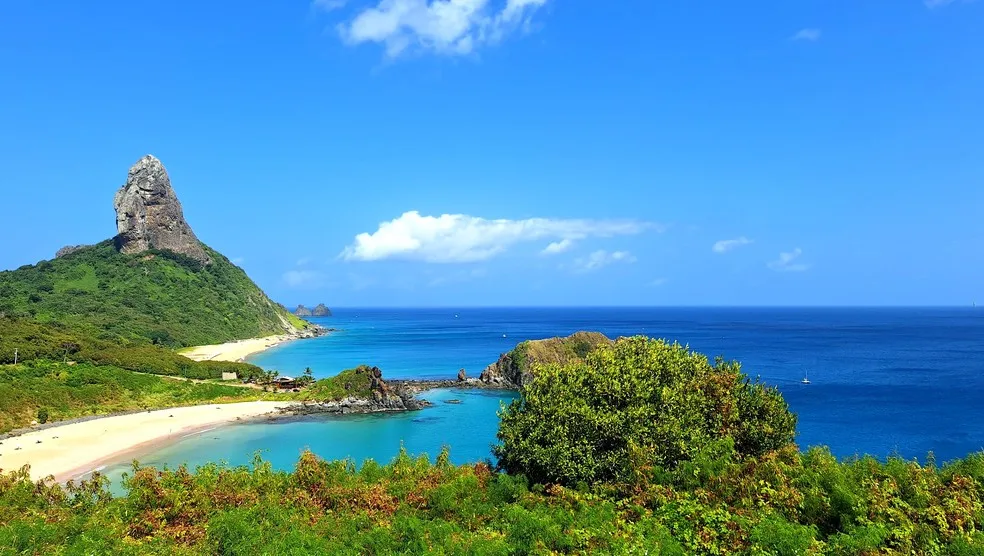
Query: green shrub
x=634, y=406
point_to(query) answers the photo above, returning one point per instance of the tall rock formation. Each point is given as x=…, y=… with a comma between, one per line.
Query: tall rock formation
x=321, y=311
x=149, y=215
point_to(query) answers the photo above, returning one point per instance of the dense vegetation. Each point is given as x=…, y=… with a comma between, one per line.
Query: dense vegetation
x=34, y=341
x=783, y=503
x=60, y=391
x=355, y=383
x=634, y=405
x=158, y=296
x=718, y=476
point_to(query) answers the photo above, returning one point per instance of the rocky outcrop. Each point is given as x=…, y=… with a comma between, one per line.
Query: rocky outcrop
x=382, y=396
x=68, y=250
x=302, y=311
x=320, y=311
x=515, y=368
x=462, y=375
x=149, y=215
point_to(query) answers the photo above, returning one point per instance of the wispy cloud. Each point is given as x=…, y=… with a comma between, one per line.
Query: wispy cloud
x=787, y=262
x=448, y=27
x=238, y=261
x=658, y=282
x=329, y=5
x=459, y=238
x=302, y=278
x=809, y=34
x=558, y=247
x=600, y=259
x=726, y=245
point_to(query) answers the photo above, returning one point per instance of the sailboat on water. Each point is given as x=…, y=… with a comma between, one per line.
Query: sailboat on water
x=806, y=377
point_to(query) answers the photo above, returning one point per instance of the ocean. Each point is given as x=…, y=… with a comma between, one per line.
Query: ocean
x=883, y=381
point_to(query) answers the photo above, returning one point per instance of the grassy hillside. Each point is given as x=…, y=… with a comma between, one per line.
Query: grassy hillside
x=34, y=341
x=163, y=297
x=61, y=391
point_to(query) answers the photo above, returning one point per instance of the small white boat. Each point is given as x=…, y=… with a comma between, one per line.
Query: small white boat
x=806, y=378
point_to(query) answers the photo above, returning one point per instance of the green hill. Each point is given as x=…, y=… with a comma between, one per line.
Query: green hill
x=161, y=296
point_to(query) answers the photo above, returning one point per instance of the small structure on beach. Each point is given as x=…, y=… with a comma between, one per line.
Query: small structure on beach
x=285, y=382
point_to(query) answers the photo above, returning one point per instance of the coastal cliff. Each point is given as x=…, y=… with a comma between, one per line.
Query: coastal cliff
x=514, y=368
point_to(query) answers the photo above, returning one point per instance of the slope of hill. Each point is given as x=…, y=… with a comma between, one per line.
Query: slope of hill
x=165, y=297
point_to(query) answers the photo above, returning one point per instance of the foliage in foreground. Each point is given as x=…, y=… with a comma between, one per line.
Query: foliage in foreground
x=59, y=391
x=784, y=503
x=158, y=296
x=632, y=406
x=34, y=341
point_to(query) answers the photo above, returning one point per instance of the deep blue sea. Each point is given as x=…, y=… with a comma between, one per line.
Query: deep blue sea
x=883, y=381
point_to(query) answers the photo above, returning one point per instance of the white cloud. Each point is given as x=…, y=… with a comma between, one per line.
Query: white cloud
x=811, y=35
x=304, y=261
x=451, y=27
x=459, y=238
x=302, y=278
x=787, y=262
x=602, y=258
x=558, y=247
x=726, y=245
x=238, y=261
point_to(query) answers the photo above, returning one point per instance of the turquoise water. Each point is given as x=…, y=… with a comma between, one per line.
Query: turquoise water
x=884, y=381
x=468, y=428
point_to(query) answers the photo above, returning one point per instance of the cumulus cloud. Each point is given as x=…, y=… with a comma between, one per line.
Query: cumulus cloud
x=302, y=278
x=601, y=258
x=449, y=27
x=557, y=247
x=787, y=262
x=811, y=35
x=726, y=245
x=459, y=238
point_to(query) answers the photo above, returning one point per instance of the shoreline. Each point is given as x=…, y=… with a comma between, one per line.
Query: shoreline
x=237, y=351
x=73, y=450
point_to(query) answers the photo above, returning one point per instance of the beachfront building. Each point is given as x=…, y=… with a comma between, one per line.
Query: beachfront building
x=285, y=382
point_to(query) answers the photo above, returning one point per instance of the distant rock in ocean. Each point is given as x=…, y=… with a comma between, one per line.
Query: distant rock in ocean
x=149, y=215
x=319, y=311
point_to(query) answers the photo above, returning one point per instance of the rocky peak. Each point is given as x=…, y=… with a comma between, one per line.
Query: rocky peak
x=149, y=215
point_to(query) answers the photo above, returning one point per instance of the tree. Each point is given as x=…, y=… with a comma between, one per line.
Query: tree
x=634, y=406
x=307, y=378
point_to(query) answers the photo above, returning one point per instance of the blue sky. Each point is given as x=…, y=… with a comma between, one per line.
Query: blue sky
x=520, y=152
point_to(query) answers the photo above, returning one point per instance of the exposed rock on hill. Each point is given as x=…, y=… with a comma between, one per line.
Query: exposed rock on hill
x=149, y=215
x=68, y=250
x=513, y=369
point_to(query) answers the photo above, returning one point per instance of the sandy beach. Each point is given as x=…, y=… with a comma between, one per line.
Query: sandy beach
x=75, y=449
x=235, y=351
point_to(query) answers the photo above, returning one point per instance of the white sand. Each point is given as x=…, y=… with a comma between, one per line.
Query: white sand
x=235, y=351
x=69, y=451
